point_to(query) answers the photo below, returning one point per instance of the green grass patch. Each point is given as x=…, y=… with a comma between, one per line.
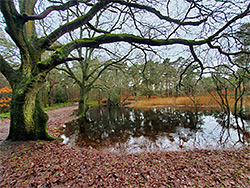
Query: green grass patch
x=56, y=106
x=92, y=103
x=5, y=115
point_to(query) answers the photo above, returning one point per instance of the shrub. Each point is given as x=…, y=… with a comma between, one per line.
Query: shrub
x=60, y=96
x=5, y=99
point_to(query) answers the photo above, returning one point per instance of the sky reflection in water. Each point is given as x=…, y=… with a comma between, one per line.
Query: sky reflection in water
x=153, y=129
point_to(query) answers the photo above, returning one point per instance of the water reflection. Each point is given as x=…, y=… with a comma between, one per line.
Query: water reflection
x=152, y=129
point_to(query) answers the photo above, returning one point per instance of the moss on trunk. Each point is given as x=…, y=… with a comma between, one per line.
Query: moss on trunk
x=28, y=120
x=82, y=105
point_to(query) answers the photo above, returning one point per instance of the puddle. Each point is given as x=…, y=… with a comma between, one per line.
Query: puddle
x=162, y=128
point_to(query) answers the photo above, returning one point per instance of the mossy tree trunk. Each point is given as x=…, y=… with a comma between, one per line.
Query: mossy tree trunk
x=82, y=105
x=28, y=120
x=83, y=84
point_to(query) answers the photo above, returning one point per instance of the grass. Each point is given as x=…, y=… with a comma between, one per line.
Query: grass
x=56, y=106
x=92, y=102
x=201, y=101
x=177, y=101
x=4, y=115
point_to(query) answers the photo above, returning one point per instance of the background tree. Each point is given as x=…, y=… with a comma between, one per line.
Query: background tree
x=242, y=75
x=135, y=80
x=88, y=68
x=190, y=85
x=151, y=73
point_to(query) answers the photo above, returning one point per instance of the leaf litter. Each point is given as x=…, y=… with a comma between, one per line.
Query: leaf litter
x=53, y=164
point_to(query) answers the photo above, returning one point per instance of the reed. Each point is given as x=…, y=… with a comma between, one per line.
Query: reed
x=185, y=101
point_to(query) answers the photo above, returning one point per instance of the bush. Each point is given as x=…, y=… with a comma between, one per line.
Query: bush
x=5, y=94
x=60, y=96
x=114, y=98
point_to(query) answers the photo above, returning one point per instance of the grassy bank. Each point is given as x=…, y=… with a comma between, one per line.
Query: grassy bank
x=56, y=106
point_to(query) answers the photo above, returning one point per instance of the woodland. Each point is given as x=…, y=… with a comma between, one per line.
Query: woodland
x=61, y=58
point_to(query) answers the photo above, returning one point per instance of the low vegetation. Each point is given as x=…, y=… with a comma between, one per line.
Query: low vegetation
x=56, y=106
x=207, y=101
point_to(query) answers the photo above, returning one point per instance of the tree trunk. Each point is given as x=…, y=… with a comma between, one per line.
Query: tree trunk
x=82, y=105
x=28, y=120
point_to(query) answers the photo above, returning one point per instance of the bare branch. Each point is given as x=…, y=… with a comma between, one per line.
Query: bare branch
x=70, y=73
x=6, y=69
x=96, y=29
x=234, y=19
x=158, y=13
x=50, y=9
x=197, y=60
x=226, y=53
x=71, y=26
x=105, y=67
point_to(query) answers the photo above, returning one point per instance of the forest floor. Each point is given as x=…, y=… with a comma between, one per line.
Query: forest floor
x=53, y=164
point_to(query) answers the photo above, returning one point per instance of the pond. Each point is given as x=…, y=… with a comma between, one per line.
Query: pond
x=163, y=128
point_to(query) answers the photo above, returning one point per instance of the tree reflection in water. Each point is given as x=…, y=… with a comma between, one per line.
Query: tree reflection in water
x=153, y=129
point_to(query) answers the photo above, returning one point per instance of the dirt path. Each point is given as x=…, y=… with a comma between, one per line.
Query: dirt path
x=4, y=128
x=57, y=118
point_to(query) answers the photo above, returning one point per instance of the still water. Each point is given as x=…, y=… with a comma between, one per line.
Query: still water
x=131, y=130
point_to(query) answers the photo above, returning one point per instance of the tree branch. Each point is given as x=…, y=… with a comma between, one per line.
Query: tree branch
x=96, y=29
x=226, y=53
x=11, y=16
x=71, y=26
x=61, y=55
x=70, y=73
x=104, y=68
x=101, y=71
x=234, y=19
x=111, y=38
x=158, y=13
x=197, y=60
x=48, y=10
x=6, y=69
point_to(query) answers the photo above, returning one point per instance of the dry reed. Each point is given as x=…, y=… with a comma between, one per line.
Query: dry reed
x=208, y=101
